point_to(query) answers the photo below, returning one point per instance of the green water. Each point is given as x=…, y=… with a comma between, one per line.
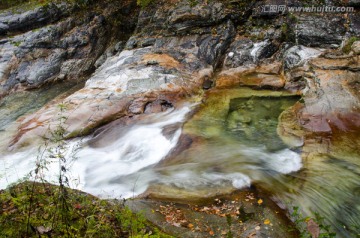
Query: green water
x=235, y=132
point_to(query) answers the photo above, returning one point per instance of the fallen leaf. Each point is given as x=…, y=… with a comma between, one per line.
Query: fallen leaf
x=313, y=228
x=168, y=218
x=267, y=222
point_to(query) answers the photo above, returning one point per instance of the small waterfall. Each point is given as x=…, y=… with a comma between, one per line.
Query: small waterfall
x=94, y=169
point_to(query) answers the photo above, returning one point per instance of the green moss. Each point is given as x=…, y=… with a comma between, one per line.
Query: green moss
x=143, y=3
x=22, y=6
x=347, y=47
x=28, y=206
x=16, y=43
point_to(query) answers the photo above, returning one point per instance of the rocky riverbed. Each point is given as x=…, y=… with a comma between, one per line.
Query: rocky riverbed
x=229, y=95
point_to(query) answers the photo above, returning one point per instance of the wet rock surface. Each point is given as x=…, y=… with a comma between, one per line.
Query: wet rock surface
x=176, y=51
x=242, y=214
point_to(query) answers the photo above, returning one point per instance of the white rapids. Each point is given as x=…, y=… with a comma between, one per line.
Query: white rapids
x=125, y=163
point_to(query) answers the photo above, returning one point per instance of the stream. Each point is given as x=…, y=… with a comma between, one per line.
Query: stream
x=226, y=143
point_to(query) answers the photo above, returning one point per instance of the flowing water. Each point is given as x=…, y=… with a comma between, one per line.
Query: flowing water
x=226, y=143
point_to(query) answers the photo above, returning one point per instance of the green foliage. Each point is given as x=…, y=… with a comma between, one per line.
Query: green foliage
x=229, y=223
x=347, y=47
x=301, y=224
x=284, y=32
x=16, y=43
x=143, y=3
x=193, y=3
x=87, y=216
x=18, y=6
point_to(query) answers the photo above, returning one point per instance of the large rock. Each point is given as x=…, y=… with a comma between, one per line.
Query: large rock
x=356, y=47
x=66, y=50
x=355, y=23
x=263, y=76
x=320, y=31
x=246, y=52
x=331, y=98
x=126, y=84
x=36, y=57
x=30, y=19
x=185, y=17
x=298, y=55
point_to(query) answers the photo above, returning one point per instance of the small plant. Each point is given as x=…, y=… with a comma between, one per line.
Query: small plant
x=193, y=3
x=36, y=208
x=308, y=226
x=347, y=47
x=229, y=221
x=143, y=3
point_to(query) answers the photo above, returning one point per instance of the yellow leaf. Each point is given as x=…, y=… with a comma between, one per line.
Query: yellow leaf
x=267, y=222
x=260, y=201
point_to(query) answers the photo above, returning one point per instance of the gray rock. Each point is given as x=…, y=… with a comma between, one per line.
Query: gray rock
x=211, y=48
x=30, y=19
x=355, y=23
x=131, y=43
x=147, y=42
x=356, y=47
x=298, y=55
x=246, y=52
x=36, y=57
x=354, y=3
x=320, y=31
x=186, y=17
x=100, y=61
x=3, y=28
x=241, y=55
x=119, y=46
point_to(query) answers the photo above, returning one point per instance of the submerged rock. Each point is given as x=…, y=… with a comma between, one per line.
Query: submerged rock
x=243, y=214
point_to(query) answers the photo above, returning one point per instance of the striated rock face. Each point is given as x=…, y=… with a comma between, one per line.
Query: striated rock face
x=135, y=81
x=173, y=53
x=51, y=53
x=320, y=31
x=66, y=48
x=331, y=99
x=37, y=17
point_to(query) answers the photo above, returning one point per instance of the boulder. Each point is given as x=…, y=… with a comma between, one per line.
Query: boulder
x=136, y=81
x=355, y=23
x=298, y=55
x=36, y=57
x=356, y=47
x=30, y=19
x=245, y=52
x=320, y=31
x=185, y=17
